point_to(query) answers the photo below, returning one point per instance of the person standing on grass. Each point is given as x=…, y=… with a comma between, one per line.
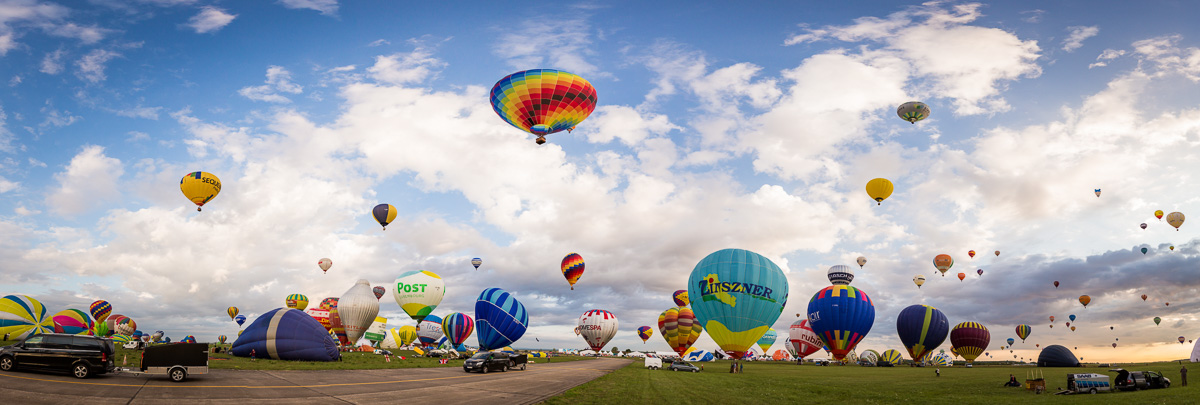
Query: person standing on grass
x=1183, y=375
x=938, y=371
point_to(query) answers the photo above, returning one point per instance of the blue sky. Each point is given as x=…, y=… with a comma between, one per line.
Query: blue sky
x=751, y=126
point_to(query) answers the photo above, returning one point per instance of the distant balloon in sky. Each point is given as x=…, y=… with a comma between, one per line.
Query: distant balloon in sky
x=1072, y=316
x=913, y=111
x=1172, y=247
x=645, y=332
x=384, y=214
x=1055, y=283
x=879, y=189
x=1114, y=345
x=1181, y=339
x=919, y=280
x=379, y=291
x=1144, y=225
x=1010, y=342
x=1085, y=300
x=980, y=272
x=1051, y=318
x=543, y=101
x=572, y=268
x=240, y=319
x=961, y=276
x=200, y=187
x=1175, y=219
x=100, y=310
x=1023, y=331
x=862, y=260
x=997, y=253
x=232, y=311
x=325, y=264
x=1144, y=250
x=737, y=295
x=943, y=262
x=476, y=262
x=1158, y=214
x=680, y=297
x=1097, y=193
x=971, y=253
x=840, y=275
x=1157, y=321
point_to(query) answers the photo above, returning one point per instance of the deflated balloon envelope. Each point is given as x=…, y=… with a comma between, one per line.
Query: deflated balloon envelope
x=286, y=334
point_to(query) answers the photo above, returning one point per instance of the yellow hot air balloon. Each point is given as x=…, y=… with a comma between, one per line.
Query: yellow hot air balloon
x=232, y=311
x=1175, y=219
x=200, y=187
x=1085, y=300
x=879, y=189
x=1158, y=214
x=919, y=280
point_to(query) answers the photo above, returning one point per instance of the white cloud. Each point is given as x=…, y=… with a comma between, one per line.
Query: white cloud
x=279, y=80
x=6, y=43
x=150, y=113
x=87, y=183
x=326, y=7
x=91, y=66
x=1077, y=36
x=88, y=35
x=137, y=136
x=210, y=19
x=551, y=43
x=379, y=42
x=52, y=62
x=403, y=68
x=22, y=211
x=1107, y=55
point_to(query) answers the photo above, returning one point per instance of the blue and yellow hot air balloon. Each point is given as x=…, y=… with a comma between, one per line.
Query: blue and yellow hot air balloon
x=384, y=214
x=543, y=101
x=21, y=316
x=737, y=295
x=296, y=301
x=680, y=297
x=645, y=332
x=767, y=340
x=200, y=187
x=842, y=316
x=891, y=356
x=922, y=328
x=100, y=309
x=499, y=319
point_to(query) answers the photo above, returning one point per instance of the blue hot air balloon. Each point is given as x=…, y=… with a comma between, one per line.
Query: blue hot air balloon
x=1072, y=317
x=737, y=295
x=922, y=328
x=286, y=334
x=499, y=319
x=240, y=319
x=1011, y=341
x=841, y=315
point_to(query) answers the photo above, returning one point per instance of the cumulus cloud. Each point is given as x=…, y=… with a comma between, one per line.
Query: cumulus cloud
x=91, y=66
x=1077, y=36
x=406, y=67
x=87, y=35
x=1107, y=55
x=326, y=7
x=210, y=19
x=88, y=182
x=549, y=42
x=52, y=62
x=279, y=80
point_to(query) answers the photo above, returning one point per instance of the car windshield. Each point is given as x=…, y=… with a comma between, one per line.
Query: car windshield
x=480, y=356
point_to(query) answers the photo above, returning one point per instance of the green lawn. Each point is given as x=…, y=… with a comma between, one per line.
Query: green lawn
x=770, y=382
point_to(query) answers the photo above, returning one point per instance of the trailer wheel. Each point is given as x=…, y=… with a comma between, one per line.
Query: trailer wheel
x=177, y=374
x=1092, y=391
x=80, y=370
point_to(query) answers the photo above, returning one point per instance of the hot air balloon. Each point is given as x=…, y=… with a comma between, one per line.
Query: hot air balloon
x=156, y=336
x=842, y=316
x=1158, y=214
x=597, y=327
x=1110, y=328
x=1172, y=247
x=1168, y=304
x=737, y=295
x=971, y=253
x=1051, y=326
x=1114, y=345
x=1051, y=318
x=919, y=280
x=879, y=189
x=1143, y=225
x=862, y=261
x=221, y=339
x=1023, y=331
x=337, y=329
x=378, y=291
x=997, y=253
x=100, y=310
x=404, y=335
x=913, y=111
x=200, y=187
x=1072, y=317
x=840, y=275
x=943, y=262
x=1068, y=324
x=384, y=214
x=961, y=276
x=232, y=311
x=1144, y=250
x=1181, y=339
x=1010, y=342
x=357, y=309
x=499, y=319
x=645, y=332
x=802, y=338
x=1157, y=321
x=680, y=297
x=1175, y=219
x=1085, y=300
x=922, y=328
x=1072, y=329
x=767, y=339
x=429, y=331
x=325, y=264
x=543, y=101
x=296, y=301
x=892, y=356
x=125, y=326
x=980, y=272
x=458, y=327
x=72, y=321
x=572, y=268
x=240, y=319
x=476, y=262
x=286, y=334
x=1055, y=283
x=419, y=292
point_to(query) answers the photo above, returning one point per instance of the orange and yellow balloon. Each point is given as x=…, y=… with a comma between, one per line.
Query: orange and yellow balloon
x=543, y=101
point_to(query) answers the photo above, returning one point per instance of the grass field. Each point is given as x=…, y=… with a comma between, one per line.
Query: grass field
x=770, y=382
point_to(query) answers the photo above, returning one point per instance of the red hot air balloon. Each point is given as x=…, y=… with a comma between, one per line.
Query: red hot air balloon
x=1055, y=284
x=379, y=291
x=1114, y=345
x=1051, y=318
x=961, y=276
x=1144, y=297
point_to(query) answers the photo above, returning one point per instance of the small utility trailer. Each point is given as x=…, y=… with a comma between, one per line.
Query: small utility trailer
x=175, y=360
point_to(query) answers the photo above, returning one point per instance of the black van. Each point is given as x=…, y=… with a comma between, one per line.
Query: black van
x=81, y=355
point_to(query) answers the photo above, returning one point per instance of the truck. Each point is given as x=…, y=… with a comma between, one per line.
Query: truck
x=176, y=361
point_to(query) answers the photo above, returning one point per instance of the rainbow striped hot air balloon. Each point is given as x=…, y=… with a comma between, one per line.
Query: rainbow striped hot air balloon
x=842, y=316
x=222, y=339
x=458, y=327
x=543, y=101
x=679, y=327
x=100, y=310
x=737, y=295
x=21, y=316
x=922, y=329
x=572, y=268
x=73, y=321
x=970, y=339
x=645, y=332
x=1023, y=331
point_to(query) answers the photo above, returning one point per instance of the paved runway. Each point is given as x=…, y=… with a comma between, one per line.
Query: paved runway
x=449, y=385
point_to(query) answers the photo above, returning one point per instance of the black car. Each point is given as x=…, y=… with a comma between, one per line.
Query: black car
x=1140, y=380
x=487, y=361
x=82, y=356
x=683, y=366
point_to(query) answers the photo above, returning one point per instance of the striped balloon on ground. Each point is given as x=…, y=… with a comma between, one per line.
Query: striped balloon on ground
x=970, y=339
x=429, y=331
x=457, y=327
x=73, y=321
x=286, y=334
x=597, y=327
x=21, y=316
x=499, y=319
x=100, y=310
x=842, y=316
x=891, y=356
x=922, y=329
x=678, y=326
x=802, y=340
